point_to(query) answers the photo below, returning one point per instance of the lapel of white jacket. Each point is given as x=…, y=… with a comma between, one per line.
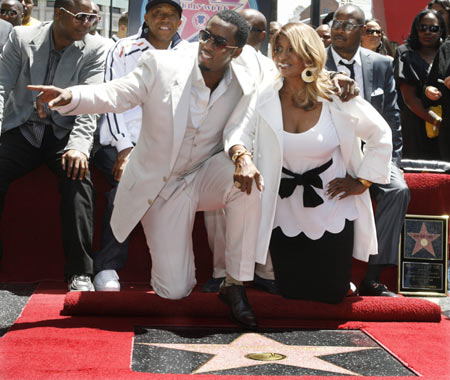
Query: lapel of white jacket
x=345, y=125
x=247, y=69
x=180, y=95
x=269, y=108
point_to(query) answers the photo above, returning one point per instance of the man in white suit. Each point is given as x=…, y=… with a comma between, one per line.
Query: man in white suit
x=195, y=104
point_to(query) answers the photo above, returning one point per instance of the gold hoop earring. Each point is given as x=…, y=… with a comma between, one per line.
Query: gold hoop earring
x=307, y=76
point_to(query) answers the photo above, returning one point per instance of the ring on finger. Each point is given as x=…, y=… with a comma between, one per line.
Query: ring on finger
x=237, y=184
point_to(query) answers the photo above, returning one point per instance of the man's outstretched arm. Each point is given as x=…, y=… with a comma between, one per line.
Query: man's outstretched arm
x=55, y=97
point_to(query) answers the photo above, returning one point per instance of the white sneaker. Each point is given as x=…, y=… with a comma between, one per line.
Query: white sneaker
x=107, y=281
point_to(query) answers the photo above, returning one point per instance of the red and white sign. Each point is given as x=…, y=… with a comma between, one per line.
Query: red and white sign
x=196, y=14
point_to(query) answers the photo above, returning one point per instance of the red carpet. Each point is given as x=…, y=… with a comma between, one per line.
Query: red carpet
x=208, y=305
x=45, y=345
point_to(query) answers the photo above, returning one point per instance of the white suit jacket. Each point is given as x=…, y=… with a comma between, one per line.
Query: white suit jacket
x=161, y=85
x=354, y=120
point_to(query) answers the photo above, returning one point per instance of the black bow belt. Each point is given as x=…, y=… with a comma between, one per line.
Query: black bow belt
x=307, y=180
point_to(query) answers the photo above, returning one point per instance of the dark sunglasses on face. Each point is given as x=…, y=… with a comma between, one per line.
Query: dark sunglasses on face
x=374, y=31
x=218, y=42
x=345, y=25
x=431, y=28
x=82, y=17
x=8, y=12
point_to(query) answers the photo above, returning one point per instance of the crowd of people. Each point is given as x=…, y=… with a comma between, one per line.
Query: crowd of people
x=284, y=153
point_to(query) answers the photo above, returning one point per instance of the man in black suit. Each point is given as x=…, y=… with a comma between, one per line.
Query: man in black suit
x=374, y=75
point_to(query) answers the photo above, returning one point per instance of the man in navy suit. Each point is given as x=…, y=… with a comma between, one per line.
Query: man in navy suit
x=374, y=75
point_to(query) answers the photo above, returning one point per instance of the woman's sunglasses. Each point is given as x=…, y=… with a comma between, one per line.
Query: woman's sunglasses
x=431, y=28
x=374, y=31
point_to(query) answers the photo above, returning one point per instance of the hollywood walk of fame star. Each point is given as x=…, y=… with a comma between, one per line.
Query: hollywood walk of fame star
x=235, y=354
x=423, y=240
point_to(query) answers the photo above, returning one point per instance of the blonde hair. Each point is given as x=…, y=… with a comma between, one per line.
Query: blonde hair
x=307, y=44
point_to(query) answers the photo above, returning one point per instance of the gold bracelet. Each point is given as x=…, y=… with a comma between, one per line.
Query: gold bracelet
x=240, y=153
x=365, y=182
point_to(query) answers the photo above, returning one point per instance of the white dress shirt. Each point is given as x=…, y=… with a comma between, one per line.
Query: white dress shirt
x=357, y=67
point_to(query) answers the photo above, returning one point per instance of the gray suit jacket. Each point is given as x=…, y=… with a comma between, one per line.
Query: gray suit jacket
x=5, y=29
x=24, y=61
x=379, y=90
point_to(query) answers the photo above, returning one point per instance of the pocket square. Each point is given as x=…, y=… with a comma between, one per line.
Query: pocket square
x=378, y=91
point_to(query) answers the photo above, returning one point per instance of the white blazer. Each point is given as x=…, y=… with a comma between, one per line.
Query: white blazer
x=355, y=120
x=161, y=85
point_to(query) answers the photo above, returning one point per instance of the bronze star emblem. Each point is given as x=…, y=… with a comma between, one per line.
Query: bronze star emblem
x=423, y=240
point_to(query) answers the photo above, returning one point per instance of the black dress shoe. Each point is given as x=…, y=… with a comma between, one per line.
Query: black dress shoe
x=241, y=312
x=375, y=289
x=81, y=283
x=212, y=285
x=266, y=285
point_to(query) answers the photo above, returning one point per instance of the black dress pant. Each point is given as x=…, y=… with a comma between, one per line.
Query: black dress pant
x=315, y=270
x=18, y=157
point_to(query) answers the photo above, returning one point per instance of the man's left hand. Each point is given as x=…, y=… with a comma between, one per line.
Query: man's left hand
x=75, y=163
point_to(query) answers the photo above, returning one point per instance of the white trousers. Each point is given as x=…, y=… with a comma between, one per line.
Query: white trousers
x=168, y=227
x=215, y=224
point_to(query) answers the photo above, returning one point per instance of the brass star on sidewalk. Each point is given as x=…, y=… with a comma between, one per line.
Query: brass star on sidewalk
x=423, y=240
x=242, y=353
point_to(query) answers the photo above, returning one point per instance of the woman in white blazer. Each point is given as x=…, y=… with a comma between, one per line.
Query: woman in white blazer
x=308, y=148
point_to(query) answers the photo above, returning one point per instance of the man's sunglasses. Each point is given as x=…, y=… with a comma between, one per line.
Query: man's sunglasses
x=218, y=42
x=254, y=29
x=431, y=28
x=8, y=12
x=345, y=25
x=82, y=17
x=374, y=31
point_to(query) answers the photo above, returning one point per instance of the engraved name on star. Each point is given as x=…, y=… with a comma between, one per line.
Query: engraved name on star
x=233, y=355
x=423, y=240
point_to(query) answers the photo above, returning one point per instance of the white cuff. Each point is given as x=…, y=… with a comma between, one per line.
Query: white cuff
x=68, y=108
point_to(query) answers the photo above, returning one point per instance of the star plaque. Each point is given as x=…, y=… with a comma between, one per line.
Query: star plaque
x=423, y=255
x=213, y=351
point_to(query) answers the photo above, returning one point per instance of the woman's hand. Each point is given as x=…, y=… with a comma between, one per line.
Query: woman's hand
x=345, y=186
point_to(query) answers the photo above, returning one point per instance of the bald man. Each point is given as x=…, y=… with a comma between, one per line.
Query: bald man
x=324, y=32
x=12, y=12
x=258, y=25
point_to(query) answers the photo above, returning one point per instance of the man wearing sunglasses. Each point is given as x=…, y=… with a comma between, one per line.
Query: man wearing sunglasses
x=374, y=75
x=119, y=131
x=197, y=102
x=12, y=12
x=60, y=53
